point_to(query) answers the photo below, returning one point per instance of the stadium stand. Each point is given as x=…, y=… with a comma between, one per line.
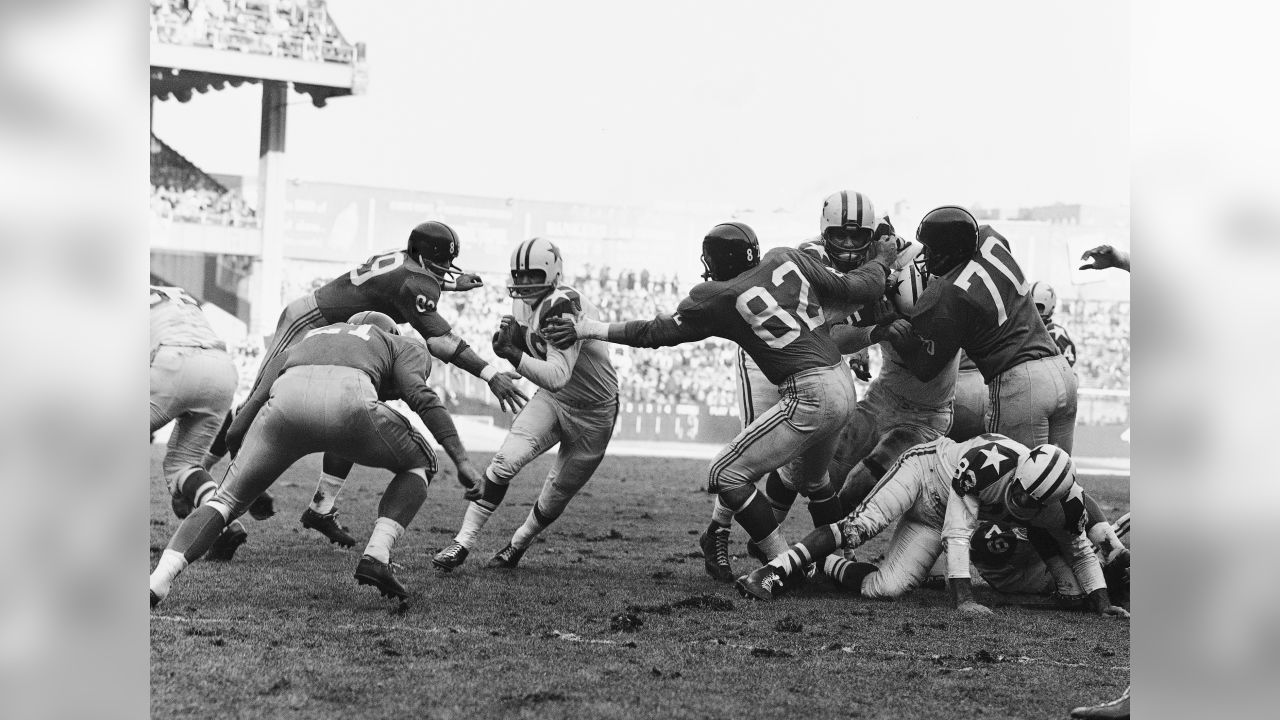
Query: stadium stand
x=299, y=29
x=181, y=191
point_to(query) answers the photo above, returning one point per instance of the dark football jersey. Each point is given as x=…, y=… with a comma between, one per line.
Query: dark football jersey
x=984, y=307
x=390, y=283
x=1065, y=344
x=775, y=312
x=396, y=365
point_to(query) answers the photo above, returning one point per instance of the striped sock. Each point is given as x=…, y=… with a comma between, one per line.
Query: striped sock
x=720, y=514
x=848, y=575
x=479, y=511
x=196, y=486
x=793, y=560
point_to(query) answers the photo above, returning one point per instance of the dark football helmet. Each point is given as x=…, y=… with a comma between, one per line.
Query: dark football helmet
x=379, y=320
x=728, y=250
x=435, y=245
x=949, y=235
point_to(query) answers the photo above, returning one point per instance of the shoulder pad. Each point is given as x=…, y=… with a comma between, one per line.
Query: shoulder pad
x=562, y=301
x=983, y=465
x=815, y=248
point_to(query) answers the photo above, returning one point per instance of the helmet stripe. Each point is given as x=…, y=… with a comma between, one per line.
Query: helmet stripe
x=1056, y=468
x=844, y=207
x=528, y=250
x=858, y=201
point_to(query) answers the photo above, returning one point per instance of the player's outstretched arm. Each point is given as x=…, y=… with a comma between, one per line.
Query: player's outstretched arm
x=662, y=331
x=454, y=350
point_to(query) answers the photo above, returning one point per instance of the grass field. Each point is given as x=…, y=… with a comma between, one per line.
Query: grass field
x=611, y=616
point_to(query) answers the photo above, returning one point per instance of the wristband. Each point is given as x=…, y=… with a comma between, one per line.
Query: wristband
x=592, y=330
x=488, y=372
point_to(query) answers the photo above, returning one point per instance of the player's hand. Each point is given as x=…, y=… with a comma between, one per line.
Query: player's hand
x=471, y=479
x=561, y=332
x=861, y=366
x=973, y=609
x=510, y=398
x=1114, y=611
x=467, y=281
x=1102, y=257
x=900, y=335
x=886, y=252
x=504, y=345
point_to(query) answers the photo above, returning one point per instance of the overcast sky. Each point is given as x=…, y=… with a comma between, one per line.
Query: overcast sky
x=743, y=105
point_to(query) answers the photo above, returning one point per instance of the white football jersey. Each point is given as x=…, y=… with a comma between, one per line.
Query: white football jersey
x=592, y=379
x=176, y=319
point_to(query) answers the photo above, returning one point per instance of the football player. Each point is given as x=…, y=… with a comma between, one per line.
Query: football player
x=899, y=410
x=1046, y=301
x=404, y=285
x=326, y=393
x=193, y=382
x=576, y=404
x=775, y=309
x=848, y=229
x=939, y=491
x=978, y=300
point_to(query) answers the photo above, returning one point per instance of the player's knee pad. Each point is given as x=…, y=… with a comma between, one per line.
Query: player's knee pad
x=501, y=469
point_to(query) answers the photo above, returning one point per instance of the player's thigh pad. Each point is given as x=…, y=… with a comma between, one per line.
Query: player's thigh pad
x=970, y=410
x=532, y=433
x=912, y=551
x=269, y=449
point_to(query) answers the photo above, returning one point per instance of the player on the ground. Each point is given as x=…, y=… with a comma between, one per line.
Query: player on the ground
x=405, y=285
x=848, y=229
x=193, y=383
x=576, y=404
x=978, y=300
x=775, y=308
x=940, y=491
x=899, y=410
x=1015, y=558
x=325, y=394
x=1046, y=301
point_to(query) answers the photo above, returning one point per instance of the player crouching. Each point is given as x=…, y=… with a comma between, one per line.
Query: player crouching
x=941, y=490
x=324, y=394
x=576, y=405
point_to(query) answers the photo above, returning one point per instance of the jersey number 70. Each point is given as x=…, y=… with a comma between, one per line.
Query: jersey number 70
x=775, y=313
x=992, y=256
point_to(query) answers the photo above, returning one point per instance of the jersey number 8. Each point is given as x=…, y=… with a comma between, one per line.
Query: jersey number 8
x=775, y=317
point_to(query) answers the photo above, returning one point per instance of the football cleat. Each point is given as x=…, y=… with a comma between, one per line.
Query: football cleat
x=715, y=554
x=264, y=507
x=371, y=571
x=763, y=583
x=451, y=557
x=754, y=551
x=155, y=599
x=328, y=526
x=224, y=548
x=1118, y=708
x=508, y=557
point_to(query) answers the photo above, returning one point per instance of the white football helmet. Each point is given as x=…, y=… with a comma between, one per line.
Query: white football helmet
x=536, y=269
x=847, y=227
x=1044, y=475
x=908, y=279
x=1046, y=300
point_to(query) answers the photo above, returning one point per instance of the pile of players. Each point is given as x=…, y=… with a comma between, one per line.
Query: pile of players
x=964, y=437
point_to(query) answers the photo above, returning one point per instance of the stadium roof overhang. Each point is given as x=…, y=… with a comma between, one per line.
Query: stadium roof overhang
x=179, y=71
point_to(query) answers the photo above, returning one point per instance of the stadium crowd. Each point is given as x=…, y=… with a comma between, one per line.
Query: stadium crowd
x=1101, y=332
x=181, y=191
x=299, y=29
